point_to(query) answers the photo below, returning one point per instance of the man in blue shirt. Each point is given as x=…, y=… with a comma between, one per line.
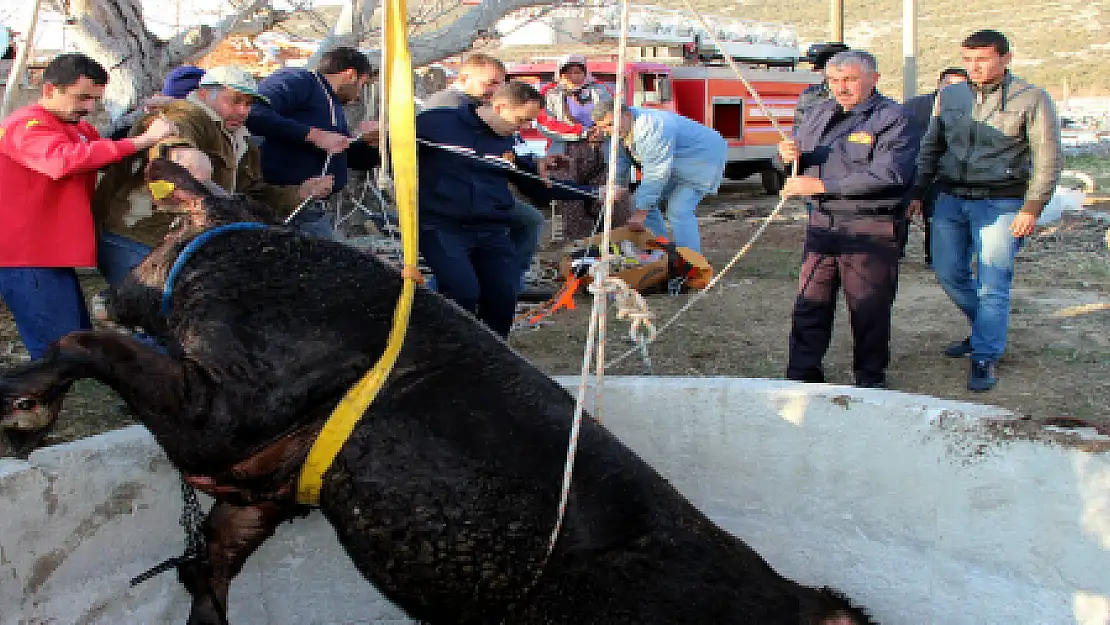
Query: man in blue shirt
x=681, y=161
x=305, y=122
x=855, y=157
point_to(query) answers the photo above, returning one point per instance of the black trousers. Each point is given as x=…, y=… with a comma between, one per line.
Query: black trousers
x=860, y=255
x=477, y=267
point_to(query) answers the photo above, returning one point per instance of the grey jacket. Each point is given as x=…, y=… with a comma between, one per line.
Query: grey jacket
x=451, y=98
x=1005, y=138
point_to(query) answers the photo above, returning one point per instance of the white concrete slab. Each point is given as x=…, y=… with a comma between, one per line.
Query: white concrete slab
x=926, y=511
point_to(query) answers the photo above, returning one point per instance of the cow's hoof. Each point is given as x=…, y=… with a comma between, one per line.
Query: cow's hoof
x=17, y=443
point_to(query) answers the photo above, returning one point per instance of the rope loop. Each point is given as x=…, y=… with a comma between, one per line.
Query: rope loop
x=629, y=303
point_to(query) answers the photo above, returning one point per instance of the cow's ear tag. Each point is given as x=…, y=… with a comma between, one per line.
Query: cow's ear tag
x=161, y=189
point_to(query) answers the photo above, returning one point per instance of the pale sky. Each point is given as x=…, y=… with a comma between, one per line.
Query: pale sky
x=49, y=32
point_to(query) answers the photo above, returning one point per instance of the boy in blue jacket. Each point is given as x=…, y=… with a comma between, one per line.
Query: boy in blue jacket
x=465, y=201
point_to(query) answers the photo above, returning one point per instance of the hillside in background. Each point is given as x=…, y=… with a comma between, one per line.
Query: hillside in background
x=1053, y=40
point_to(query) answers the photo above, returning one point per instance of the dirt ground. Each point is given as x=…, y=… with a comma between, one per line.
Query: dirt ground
x=1058, y=356
x=1056, y=365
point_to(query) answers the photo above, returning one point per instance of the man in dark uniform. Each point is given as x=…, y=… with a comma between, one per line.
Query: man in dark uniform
x=815, y=94
x=856, y=157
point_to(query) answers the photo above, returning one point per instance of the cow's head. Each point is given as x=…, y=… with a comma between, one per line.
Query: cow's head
x=201, y=203
x=30, y=399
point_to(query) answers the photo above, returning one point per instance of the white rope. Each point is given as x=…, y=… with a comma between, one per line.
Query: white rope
x=383, y=115
x=712, y=283
x=630, y=305
x=766, y=222
x=311, y=197
x=597, y=313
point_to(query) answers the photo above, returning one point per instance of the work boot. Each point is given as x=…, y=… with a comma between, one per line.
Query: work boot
x=983, y=376
x=959, y=349
x=808, y=377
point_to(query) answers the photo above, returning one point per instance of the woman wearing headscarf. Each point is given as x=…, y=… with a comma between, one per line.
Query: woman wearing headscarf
x=566, y=120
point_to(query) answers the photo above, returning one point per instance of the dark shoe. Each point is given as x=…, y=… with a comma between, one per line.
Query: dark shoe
x=983, y=376
x=961, y=349
x=809, y=377
x=871, y=384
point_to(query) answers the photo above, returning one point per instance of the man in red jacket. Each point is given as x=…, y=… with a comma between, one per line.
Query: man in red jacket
x=49, y=157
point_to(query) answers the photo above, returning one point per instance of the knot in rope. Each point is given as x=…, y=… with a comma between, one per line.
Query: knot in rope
x=629, y=303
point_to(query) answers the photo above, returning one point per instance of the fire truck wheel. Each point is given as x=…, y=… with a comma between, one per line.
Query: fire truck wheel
x=773, y=180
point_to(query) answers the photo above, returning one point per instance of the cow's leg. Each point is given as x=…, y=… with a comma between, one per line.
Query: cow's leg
x=233, y=533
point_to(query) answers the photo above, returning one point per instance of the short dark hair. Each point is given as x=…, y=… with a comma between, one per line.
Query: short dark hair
x=343, y=58
x=66, y=69
x=987, y=39
x=954, y=71
x=517, y=93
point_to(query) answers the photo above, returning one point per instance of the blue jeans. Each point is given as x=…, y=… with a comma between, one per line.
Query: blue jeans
x=681, y=202
x=525, y=225
x=117, y=255
x=47, y=304
x=962, y=229
x=476, y=267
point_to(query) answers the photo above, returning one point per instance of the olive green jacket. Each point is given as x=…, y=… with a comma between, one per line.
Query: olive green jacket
x=122, y=203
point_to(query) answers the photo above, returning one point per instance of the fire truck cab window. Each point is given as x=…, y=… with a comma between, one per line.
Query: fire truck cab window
x=652, y=89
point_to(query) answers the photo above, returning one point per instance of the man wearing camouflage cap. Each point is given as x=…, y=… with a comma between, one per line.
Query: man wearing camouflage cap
x=211, y=119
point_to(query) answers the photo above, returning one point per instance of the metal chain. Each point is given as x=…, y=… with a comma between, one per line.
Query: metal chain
x=192, y=521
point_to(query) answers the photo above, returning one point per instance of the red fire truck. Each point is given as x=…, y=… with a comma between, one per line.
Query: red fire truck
x=710, y=94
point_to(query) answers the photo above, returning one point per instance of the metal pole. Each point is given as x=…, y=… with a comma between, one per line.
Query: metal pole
x=909, y=49
x=836, y=20
x=20, y=62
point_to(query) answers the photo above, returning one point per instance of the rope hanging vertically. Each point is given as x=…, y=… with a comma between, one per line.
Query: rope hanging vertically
x=597, y=314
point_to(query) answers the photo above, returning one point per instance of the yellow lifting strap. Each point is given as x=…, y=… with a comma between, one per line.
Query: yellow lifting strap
x=396, y=76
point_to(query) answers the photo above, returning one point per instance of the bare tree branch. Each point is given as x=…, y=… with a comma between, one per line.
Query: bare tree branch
x=200, y=40
x=354, y=21
x=460, y=35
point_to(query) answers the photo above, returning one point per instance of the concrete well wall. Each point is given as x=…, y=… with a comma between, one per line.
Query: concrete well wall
x=926, y=511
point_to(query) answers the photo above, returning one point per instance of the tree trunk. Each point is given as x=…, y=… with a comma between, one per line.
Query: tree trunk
x=461, y=34
x=114, y=33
